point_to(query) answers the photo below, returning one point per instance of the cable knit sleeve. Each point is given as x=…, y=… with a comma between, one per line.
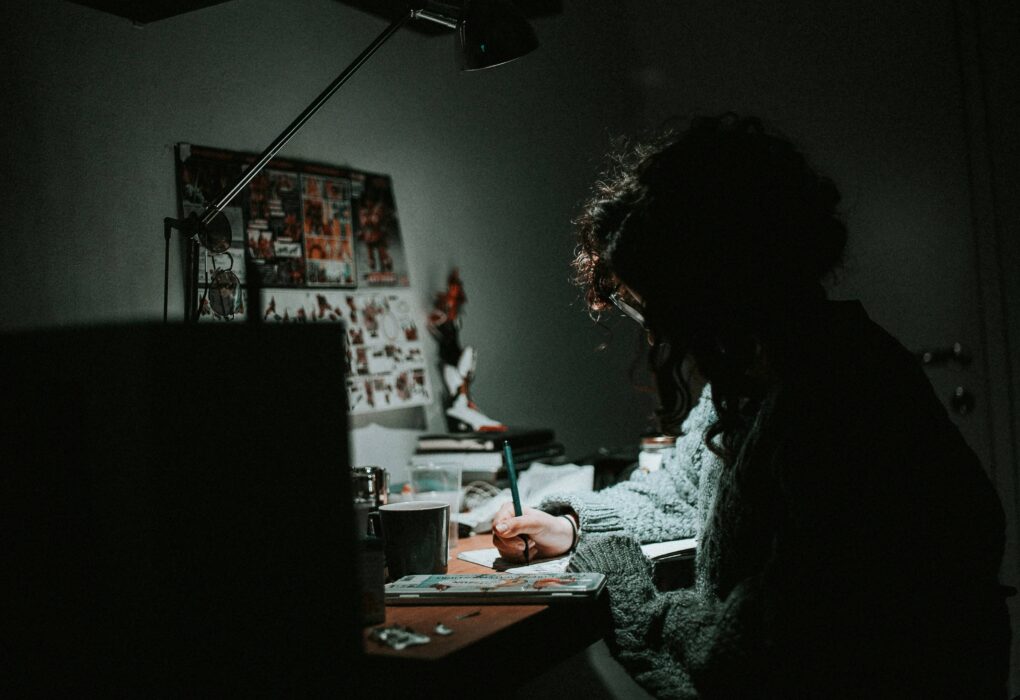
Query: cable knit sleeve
x=675, y=641
x=853, y=552
x=656, y=636
x=667, y=504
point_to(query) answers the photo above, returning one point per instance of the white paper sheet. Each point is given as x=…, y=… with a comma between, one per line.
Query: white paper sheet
x=489, y=555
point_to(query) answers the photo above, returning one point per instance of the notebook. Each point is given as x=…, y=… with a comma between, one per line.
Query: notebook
x=657, y=552
x=496, y=589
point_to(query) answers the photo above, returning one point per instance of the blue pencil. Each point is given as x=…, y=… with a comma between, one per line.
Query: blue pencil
x=515, y=494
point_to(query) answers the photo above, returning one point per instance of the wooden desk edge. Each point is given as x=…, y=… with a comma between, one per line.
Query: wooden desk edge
x=558, y=631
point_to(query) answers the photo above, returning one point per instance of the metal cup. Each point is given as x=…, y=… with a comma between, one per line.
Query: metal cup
x=371, y=485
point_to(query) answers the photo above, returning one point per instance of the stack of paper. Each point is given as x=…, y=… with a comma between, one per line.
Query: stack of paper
x=480, y=454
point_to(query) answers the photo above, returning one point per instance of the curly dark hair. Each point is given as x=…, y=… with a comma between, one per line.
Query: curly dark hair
x=726, y=232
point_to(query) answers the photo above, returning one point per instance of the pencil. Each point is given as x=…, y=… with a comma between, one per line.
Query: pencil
x=515, y=493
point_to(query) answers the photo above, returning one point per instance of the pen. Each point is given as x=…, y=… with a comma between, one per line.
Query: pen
x=515, y=494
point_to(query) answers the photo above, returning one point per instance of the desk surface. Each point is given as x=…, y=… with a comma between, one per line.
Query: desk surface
x=552, y=633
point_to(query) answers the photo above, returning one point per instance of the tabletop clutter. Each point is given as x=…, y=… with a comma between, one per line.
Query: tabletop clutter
x=480, y=454
x=454, y=485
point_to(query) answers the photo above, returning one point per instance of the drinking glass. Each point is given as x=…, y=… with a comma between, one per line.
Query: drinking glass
x=439, y=482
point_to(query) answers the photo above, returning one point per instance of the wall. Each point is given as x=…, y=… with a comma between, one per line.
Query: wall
x=488, y=169
x=990, y=78
x=870, y=91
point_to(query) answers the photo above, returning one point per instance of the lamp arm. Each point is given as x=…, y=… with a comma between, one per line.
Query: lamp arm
x=212, y=210
x=193, y=226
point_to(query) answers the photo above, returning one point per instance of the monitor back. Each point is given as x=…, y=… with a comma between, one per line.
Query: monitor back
x=179, y=518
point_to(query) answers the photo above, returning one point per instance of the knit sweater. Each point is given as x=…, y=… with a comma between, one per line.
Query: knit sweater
x=852, y=550
x=667, y=504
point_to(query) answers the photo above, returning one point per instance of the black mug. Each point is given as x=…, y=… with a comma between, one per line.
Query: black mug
x=415, y=537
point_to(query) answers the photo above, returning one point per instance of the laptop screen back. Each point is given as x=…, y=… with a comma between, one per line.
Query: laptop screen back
x=180, y=515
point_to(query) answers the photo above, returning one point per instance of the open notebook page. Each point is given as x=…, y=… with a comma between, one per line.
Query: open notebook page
x=490, y=557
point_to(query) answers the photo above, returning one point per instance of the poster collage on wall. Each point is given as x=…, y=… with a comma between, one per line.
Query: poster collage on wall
x=326, y=244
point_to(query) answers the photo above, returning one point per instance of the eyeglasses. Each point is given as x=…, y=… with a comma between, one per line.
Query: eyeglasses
x=629, y=306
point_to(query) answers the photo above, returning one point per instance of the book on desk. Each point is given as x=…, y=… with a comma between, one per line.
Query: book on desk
x=480, y=454
x=495, y=589
x=486, y=440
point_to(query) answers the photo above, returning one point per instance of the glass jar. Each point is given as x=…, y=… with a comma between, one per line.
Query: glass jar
x=653, y=450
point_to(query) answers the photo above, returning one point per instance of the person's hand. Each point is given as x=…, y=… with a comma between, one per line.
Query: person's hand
x=548, y=535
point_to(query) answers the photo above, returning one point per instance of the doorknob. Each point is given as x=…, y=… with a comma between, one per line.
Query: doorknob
x=962, y=401
x=939, y=356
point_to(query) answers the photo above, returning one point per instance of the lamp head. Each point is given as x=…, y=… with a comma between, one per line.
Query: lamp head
x=489, y=32
x=492, y=32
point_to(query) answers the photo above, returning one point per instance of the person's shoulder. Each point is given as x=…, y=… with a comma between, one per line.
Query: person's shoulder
x=856, y=340
x=854, y=364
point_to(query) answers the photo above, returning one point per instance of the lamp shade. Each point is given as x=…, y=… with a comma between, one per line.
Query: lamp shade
x=492, y=32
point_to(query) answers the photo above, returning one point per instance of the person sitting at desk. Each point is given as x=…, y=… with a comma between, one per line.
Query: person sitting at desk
x=854, y=542
x=670, y=503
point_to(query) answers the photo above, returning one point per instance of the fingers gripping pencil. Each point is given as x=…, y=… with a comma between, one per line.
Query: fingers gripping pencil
x=515, y=494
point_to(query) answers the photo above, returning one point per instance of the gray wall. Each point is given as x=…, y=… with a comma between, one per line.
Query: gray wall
x=488, y=169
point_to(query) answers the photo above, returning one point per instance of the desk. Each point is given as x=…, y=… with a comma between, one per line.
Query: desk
x=480, y=648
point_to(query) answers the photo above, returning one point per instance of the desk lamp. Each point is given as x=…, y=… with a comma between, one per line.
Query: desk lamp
x=489, y=33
